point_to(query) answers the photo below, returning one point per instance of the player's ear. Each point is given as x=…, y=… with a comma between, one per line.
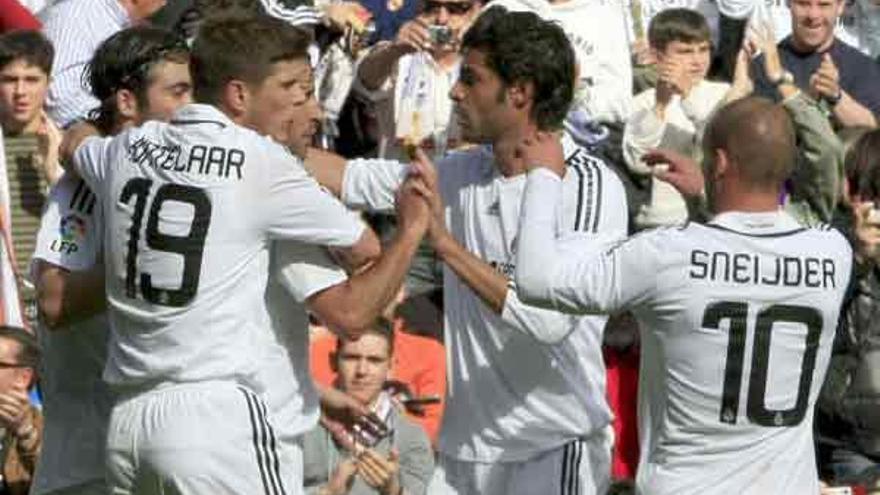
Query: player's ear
x=126, y=104
x=236, y=97
x=521, y=94
x=722, y=163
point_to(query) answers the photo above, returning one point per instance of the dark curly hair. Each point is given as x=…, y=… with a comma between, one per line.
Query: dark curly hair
x=125, y=61
x=522, y=48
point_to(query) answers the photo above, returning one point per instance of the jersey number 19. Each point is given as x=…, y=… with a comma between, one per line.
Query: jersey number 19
x=190, y=246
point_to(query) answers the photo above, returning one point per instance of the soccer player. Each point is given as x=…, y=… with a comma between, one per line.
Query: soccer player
x=137, y=74
x=525, y=409
x=738, y=315
x=192, y=207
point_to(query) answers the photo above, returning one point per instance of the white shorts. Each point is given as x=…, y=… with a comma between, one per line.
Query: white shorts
x=580, y=467
x=198, y=439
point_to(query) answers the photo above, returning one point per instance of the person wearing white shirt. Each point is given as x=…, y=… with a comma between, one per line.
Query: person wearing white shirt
x=738, y=316
x=525, y=408
x=140, y=73
x=76, y=28
x=674, y=114
x=187, y=264
x=409, y=79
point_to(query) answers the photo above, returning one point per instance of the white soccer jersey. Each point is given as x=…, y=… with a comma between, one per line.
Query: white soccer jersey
x=738, y=318
x=510, y=396
x=76, y=402
x=597, y=30
x=191, y=207
x=298, y=271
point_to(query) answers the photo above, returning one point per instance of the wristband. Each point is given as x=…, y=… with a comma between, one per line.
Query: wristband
x=834, y=100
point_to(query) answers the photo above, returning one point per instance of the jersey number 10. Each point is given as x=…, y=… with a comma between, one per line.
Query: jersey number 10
x=190, y=246
x=737, y=314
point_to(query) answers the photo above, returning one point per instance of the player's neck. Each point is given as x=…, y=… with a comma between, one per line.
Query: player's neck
x=764, y=202
x=505, y=148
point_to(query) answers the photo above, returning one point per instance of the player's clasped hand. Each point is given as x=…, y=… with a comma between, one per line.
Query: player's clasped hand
x=413, y=210
x=425, y=175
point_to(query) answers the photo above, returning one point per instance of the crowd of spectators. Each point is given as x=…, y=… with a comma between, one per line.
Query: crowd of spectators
x=651, y=74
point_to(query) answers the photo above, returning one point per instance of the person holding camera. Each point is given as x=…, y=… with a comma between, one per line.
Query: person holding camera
x=848, y=427
x=339, y=460
x=408, y=79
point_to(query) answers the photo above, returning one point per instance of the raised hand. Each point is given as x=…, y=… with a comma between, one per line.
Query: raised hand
x=413, y=36
x=423, y=172
x=14, y=415
x=679, y=170
x=825, y=82
x=49, y=138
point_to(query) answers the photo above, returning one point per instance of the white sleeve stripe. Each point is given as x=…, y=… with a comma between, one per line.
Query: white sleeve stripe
x=580, y=202
x=597, y=198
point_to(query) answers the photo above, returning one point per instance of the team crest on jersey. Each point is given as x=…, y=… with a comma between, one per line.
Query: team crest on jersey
x=72, y=231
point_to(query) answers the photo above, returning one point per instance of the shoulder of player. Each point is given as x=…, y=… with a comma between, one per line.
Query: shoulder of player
x=830, y=234
x=658, y=239
x=588, y=175
x=72, y=194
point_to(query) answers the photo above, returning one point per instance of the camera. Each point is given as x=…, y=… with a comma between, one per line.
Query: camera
x=440, y=35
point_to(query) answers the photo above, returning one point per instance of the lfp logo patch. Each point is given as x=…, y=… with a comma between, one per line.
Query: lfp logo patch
x=73, y=232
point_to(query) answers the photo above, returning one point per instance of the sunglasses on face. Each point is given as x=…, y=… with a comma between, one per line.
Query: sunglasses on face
x=454, y=8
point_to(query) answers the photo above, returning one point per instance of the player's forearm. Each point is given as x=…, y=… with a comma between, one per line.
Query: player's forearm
x=576, y=282
x=327, y=168
x=817, y=177
x=851, y=113
x=354, y=305
x=484, y=280
x=65, y=297
x=358, y=257
x=536, y=251
x=378, y=65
